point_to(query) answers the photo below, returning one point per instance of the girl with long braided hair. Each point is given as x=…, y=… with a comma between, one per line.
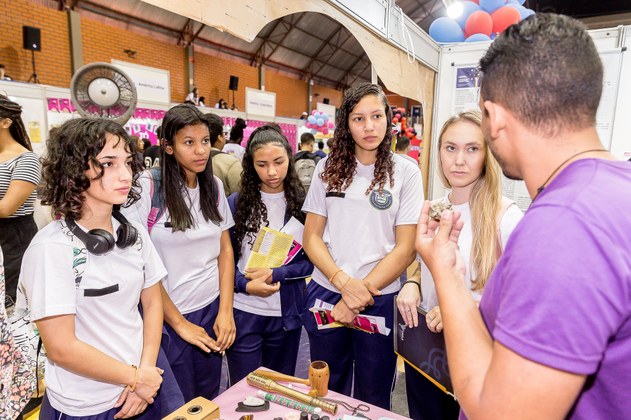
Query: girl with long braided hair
x=269, y=301
x=19, y=175
x=362, y=209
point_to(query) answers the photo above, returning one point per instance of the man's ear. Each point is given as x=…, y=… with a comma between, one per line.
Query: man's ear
x=496, y=116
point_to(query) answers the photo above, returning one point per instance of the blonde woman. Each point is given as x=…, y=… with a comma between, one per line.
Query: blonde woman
x=468, y=168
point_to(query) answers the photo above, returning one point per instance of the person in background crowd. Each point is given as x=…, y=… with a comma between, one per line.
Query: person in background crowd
x=192, y=97
x=225, y=167
x=20, y=173
x=269, y=301
x=467, y=167
x=187, y=214
x=221, y=104
x=151, y=154
x=360, y=183
x=201, y=101
x=236, y=138
x=552, y=335
x=3, y=75
x=84, y=275
x=403, y=147
x=320, y=151
x=306, y=148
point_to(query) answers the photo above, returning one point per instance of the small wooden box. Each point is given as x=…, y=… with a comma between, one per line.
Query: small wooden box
x=196, y=409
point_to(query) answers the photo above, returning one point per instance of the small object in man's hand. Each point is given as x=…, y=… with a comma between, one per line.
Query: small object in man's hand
x=436, y=209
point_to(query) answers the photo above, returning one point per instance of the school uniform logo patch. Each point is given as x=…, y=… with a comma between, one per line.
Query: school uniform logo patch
x=381, y=201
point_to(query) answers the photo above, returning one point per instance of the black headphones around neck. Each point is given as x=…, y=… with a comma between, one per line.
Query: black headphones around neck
x=100, y=241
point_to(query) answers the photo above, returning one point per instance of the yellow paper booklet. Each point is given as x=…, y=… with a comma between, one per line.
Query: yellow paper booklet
x=270, y=249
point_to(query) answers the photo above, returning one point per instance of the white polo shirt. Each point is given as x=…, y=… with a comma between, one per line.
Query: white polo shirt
x=190, y=257
x=270, y=305
x=105, y=305
x=360, y=228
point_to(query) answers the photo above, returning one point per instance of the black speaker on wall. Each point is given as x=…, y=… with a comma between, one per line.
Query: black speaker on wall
x=234, y=83
x=325, y=101
x=31, y=38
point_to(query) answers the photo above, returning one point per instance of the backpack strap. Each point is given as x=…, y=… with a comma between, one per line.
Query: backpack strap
x=157, y=199
x=215, y=152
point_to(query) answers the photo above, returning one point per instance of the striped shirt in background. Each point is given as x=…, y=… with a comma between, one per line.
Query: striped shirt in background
x=25, y=167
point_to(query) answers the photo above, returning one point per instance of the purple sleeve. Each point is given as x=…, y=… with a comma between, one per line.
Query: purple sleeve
x=557, y=297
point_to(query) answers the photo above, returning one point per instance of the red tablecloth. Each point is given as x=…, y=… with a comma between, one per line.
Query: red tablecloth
x=228, y=401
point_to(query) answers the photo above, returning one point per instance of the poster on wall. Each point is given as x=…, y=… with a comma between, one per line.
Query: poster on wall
x=466, y=92
x=612, y=62
x=466, y=97
x=152, y=84
x=260, y=102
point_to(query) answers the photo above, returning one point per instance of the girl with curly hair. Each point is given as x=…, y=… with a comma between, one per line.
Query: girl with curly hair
x=268, y=301
x=362, y=209
x=190, y=232
x=19, y=175
x=85, y=273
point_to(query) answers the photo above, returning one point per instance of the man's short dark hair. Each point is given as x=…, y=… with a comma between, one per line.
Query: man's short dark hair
x=321, y=145
x=547, y=72
x=402, y=143
x=306, y=138
x=215, y=126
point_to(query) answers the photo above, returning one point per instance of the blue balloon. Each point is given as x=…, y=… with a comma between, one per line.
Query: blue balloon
x=491, y=5
x=320, y=122
x=325, y=117
x=477, y=38
x=314, y=131
x=445, y=29
x=311, y=119
x=468, y=7
x=529, y=12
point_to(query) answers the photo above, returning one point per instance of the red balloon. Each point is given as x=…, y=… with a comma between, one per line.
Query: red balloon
x=504, y=17
x=480, y=22
x=409, y=135
x=395, y=120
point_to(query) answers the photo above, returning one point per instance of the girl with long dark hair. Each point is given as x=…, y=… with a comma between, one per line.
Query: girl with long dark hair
x=362, y=209
x=268, y=301
x=186, y=210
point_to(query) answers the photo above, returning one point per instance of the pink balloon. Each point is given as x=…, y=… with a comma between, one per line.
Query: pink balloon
x=480, y=22
x=331, y=124
x=504, y=17
x=315, y=111
x=325, y=131
x=397, y=115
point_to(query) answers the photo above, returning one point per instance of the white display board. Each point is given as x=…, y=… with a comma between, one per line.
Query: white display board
x=457, y=89
x=260, y=103
x=152, y=84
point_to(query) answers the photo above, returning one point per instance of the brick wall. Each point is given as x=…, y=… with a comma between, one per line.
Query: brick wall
x=291, y=94
x=212, y=78
x=102, y=42
x=53, y=61
x=321, y=92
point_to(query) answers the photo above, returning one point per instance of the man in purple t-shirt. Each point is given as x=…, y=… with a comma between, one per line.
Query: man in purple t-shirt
x=552, y=338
